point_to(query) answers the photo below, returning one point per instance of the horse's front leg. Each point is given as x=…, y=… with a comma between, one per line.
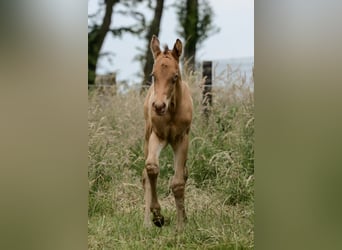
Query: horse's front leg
x=155, y=145
x=180, y=149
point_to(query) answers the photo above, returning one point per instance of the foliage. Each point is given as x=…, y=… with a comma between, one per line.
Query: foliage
x=153, y=29
x=126, y=8
x=204, y=23
x=196, y=24
x=97, y=30
x=219, y=191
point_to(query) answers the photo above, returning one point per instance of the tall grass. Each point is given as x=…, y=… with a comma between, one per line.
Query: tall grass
x=219, y=191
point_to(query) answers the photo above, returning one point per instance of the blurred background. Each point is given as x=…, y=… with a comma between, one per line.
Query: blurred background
x=45, y=134
x=119, y=33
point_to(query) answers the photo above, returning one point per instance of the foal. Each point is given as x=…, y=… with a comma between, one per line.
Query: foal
x=168, y=115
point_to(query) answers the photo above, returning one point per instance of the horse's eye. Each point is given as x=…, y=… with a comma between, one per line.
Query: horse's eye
x=174, y=79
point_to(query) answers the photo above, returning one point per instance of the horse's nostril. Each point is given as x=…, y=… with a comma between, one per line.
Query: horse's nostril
x=159, y=107
x=162, y=107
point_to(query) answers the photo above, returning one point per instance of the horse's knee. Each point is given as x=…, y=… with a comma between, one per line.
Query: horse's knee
x=178, y=189
x=152, y=169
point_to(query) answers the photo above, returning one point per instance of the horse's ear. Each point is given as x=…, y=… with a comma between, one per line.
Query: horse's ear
x=177, y=49
x=155, y=46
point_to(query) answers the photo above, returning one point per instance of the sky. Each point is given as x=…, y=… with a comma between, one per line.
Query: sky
x=235, y=18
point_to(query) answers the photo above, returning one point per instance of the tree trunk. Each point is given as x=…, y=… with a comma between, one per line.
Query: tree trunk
x=96, y=38
x=191, y=33
x=153, y=30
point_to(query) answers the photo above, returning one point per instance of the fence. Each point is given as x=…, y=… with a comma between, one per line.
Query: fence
x=225, y=73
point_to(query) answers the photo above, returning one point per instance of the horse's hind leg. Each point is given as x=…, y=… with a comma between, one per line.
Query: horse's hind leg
x=155, y=145
x=146, y=184
x=179, y=179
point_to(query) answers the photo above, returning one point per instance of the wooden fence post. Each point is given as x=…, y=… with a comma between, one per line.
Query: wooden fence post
x=207, y=95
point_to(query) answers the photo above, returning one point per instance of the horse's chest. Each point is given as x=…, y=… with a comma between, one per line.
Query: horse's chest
x=169, y=130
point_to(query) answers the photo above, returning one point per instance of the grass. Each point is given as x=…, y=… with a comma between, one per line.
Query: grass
x=219, y=191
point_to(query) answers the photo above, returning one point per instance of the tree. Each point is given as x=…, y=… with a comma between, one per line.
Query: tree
x=196, y=24
x=153, y=29
x=96, y=37
x=97, y=32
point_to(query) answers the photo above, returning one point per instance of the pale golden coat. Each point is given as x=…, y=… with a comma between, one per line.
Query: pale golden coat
x=168, y=115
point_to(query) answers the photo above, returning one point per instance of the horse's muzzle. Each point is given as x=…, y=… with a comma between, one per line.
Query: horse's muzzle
x=160, y=109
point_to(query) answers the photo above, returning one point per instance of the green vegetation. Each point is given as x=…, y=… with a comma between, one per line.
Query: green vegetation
x=219, y=191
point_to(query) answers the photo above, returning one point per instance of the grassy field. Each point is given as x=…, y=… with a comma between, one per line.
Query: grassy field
x=219, y=191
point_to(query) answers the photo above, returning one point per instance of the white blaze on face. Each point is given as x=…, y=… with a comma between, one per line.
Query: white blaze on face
x=161, y=96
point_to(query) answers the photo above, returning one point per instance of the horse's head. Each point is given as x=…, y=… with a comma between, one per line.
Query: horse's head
x=166, y=75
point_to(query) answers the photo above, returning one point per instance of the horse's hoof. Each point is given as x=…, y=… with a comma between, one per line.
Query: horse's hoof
x=158, y=221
